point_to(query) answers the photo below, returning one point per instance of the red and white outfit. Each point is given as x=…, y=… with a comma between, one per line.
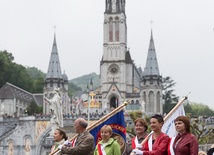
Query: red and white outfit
x=170, y=149
x=157, y=147
x=135, y=142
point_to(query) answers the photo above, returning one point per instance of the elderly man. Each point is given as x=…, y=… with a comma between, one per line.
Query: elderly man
x=83, y=144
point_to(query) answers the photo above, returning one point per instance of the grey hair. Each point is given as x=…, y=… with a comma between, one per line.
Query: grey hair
x=83, y=123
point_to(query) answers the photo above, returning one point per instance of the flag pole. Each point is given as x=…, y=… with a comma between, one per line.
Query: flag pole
x=98, y=122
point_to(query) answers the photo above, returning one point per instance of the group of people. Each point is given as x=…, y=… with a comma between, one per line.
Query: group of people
x=84, y=142
x=158, y=143
x=155, y=143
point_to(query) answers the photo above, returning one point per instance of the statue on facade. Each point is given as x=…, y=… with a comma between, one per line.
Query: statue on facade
x=55, y=107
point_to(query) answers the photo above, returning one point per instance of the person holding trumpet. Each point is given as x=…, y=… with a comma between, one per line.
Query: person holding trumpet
x=84, y=142
x=157, y=141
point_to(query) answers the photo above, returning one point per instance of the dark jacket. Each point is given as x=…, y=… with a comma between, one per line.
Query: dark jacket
x=84, y=145
x=210, y=151
x=187, y=145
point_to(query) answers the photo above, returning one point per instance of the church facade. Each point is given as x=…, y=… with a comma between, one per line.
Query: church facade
x=120, y=79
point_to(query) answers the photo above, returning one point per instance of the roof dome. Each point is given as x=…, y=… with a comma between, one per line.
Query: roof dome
x=65, y=77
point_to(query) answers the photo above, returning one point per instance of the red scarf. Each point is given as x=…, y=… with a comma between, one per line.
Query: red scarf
x=133, y=143
x=99, y=149
x=170, y=150
x=134, y=140
x=73, y=142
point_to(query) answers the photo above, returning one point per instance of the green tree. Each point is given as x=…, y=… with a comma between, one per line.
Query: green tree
x=38, y=79
x=34, y=108
x=20, y=78
x=168, y=94
x=38, y=85
x=72, y=88
x=34, y=72
x=6, y=61
x=198, y=109
x=135, y=114
x=30, y=79
x=85, y=80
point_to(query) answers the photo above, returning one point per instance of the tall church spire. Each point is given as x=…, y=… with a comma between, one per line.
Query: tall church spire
x=54, y=69
x=54, y=78
x=115, y=6
x=151, y=62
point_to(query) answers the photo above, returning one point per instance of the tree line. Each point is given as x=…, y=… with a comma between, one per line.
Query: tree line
x=30, y=79
x=19, y=75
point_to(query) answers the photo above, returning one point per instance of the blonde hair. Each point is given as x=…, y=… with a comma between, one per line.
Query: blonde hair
x=202, y=153
x=106, y=128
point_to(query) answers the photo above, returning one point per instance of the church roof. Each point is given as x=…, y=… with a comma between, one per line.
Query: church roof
x=54, y=69
x=128, y=58
x=10, y=91
x=151, y=62
x=65, y=77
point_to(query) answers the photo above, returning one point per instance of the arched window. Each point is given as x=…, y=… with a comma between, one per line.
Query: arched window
x=117, y=29
x=110, y=30
x=158, y=102
x=137, y=105
x=132, y=105
x=128, y=107
x=113, y=102
x=151, y=101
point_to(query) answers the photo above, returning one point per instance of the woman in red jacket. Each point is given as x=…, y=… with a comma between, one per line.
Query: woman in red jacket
x=157, y=142
x=184, y=143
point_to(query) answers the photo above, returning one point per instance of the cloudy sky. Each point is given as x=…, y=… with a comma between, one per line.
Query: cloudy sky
x=182, y=30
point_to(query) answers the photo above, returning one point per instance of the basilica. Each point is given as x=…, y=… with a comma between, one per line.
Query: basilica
x=120, y=80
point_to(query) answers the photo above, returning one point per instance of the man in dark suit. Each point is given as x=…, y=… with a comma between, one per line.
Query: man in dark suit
x=83, y=144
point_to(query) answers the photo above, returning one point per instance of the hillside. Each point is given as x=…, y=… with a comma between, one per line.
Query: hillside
x=82, y=81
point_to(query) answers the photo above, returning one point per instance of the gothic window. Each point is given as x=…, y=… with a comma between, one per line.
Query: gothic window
x=132, y=105
x=137, y=105
x=117, y=30
x=158, y=101
x=151, y=101
x=110, y=30
x=128, y=107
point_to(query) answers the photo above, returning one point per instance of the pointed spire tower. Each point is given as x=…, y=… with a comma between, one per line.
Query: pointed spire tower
x=151, y=61
x=152, y=81
x=55, y=78
x=54, y=69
